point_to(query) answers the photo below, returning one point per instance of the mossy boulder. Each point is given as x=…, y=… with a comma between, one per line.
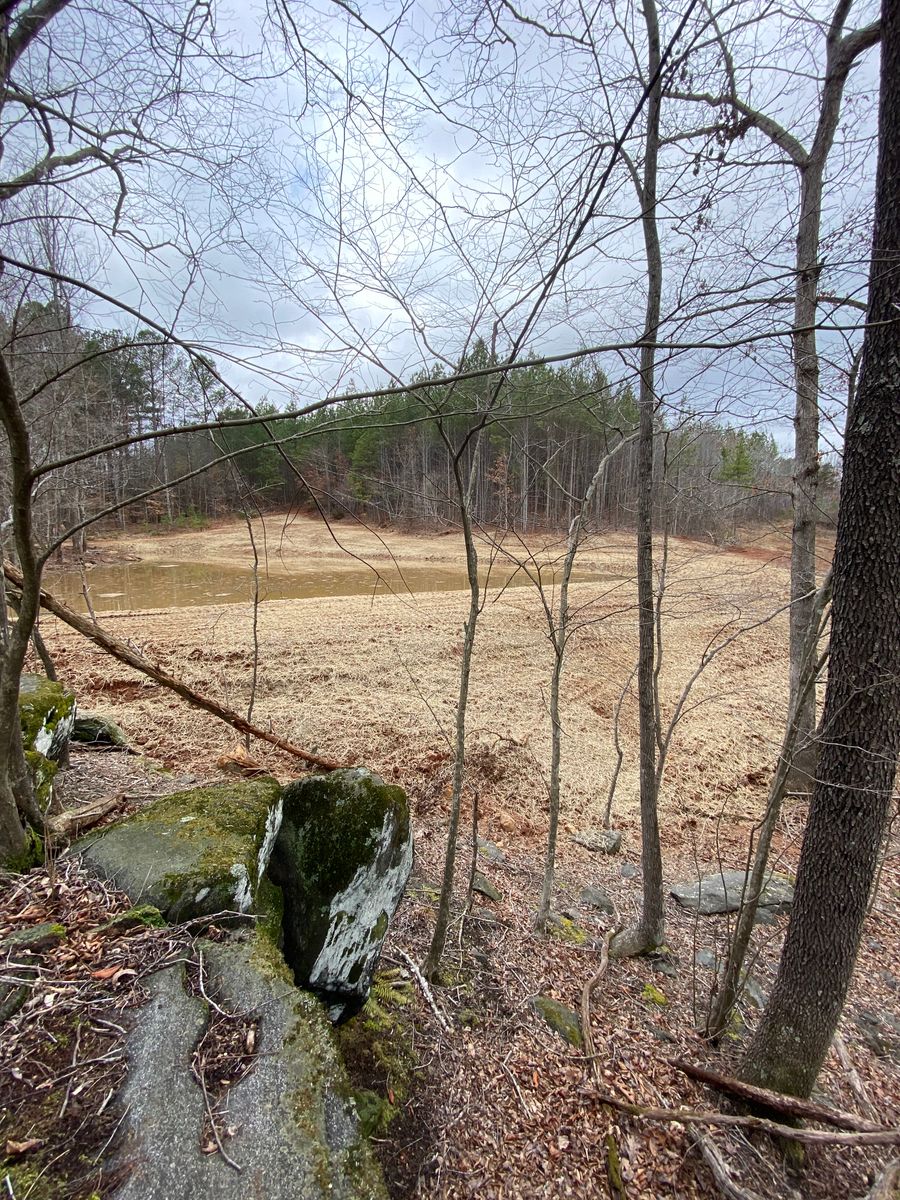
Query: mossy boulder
x=342, y=858
x=43, y=772
x=95, y=730
x=47, y=713
x=561, y=1019
x=294, y=1128
x=196, y=852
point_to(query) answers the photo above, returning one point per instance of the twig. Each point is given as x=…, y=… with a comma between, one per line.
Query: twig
x=791, y=1106
x=853, y=1078
x=426, y=991
x=687, y=1116
x=720, y=1171
x=518, y=1090
x=586, y=1003
x=212, y=1121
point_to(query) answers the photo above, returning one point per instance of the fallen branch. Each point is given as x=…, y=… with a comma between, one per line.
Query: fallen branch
x=853, y=1078
x=586, y=1004
x=791, y=1106
x=688, y=1116
x=426, y=991
x=73, y=821
x=613, y=1166
x=720, y=1171
x=137, y=662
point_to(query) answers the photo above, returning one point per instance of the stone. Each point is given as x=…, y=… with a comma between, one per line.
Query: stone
x=750, y=988
x=297, y=1133
x=601, y=841
x=566, y=929
x=480, y=912
x=43, y=773
x=484, y=887
x=342, y=858
x=597, y=898
x=628, y=870
x=196, y=852
x=560, y=1018
x=47, y=713
x=721, y=893
x=880, y=1032
x=95, y=730
x=34, y=939
x=490, y=851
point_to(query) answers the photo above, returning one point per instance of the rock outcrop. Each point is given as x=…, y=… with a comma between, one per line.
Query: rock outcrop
x=342, y=859
x=296, y=1132
x=722, y=893
x=196, y=852
x=47, y=714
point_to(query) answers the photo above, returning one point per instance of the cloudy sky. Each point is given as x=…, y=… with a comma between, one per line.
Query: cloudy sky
x=331, y=196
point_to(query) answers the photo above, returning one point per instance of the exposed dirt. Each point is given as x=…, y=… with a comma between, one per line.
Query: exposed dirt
x=505, y=1107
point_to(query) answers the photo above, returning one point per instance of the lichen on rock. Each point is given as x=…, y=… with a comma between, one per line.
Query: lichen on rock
x=195, y=852
x=342, y=858
x=47, y=714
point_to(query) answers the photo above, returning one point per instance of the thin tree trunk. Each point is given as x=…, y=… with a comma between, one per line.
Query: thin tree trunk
x=861, y=723
x=649, y=930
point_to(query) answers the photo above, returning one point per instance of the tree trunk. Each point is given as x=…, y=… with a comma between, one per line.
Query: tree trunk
x=15, y=786
x=649, y=931
x=861, y=723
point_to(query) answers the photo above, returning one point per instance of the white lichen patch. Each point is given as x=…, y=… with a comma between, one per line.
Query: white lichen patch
x=43, y=740
x=243, y=893
x=359, y=917
x=273, y=824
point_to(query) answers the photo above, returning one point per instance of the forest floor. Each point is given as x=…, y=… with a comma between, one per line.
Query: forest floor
x=502, y=1107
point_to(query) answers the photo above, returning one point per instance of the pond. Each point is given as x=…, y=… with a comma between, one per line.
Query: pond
x=126, y=587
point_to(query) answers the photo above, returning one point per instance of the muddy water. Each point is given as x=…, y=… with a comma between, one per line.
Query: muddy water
x=127, y=587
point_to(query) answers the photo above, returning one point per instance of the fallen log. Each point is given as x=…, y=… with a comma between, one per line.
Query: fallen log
x=688, y=1116
x=790, y=1106
x=73, y=821
x=137, y=662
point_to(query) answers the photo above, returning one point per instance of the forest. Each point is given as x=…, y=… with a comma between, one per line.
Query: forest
x=573, y=878
x=378, y=459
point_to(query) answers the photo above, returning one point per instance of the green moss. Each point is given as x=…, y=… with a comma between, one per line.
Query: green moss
x=43, y=704
x=43, y=772
x=377, y=1043
x=653, y=995
x=268, y=959
x=31, y=856
x=270, y=907
x=562, y=1020
x=361, y=800
x=147, y=916
x=566, y=930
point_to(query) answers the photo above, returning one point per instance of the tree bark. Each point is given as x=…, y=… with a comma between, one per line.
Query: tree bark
x=840, y=54
x=649, y=930
x=861, y=723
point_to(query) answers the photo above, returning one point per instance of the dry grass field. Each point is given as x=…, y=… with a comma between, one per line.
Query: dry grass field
x=501, y=1106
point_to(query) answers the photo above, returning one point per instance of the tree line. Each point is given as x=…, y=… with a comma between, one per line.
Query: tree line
x=381, y=460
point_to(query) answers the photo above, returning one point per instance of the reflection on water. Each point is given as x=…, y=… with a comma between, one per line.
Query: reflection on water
x=128, y=586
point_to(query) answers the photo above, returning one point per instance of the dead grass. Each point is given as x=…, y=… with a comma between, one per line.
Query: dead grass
x=503, y=1107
